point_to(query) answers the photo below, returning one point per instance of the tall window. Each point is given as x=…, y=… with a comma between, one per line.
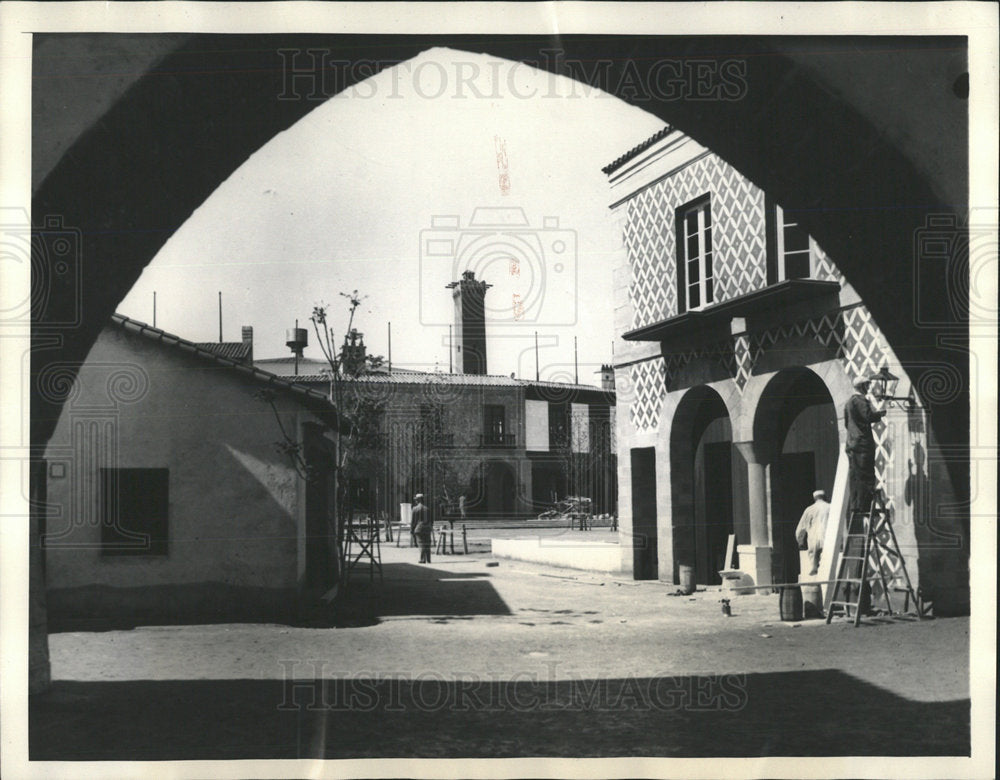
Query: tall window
x=559, y=426
x=134, y=511
x=494, y=424
x=694, y=242
x=795, y=256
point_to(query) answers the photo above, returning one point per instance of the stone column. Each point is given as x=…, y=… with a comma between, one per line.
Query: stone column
x=755, y=558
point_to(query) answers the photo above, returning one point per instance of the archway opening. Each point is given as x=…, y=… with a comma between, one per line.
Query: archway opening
x=796, y=424
x=494, y=497
x=701, y=477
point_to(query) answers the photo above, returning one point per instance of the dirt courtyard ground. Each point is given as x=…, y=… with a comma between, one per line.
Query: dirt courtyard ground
x=462, y=659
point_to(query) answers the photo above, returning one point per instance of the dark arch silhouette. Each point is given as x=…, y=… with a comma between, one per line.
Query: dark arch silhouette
x=863, y=160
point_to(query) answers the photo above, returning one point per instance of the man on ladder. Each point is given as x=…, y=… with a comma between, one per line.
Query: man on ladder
x=859, y=414
x=870, y=544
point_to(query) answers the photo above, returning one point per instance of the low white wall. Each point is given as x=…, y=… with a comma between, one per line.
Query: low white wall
x=567, y=553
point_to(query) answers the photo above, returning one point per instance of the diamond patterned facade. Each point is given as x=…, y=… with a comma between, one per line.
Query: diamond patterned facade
x=824, y=269
x=744, y=360
x=649, y=389
x=738, y=236
x=740, y=267
x=771, y=334
x=851, y=332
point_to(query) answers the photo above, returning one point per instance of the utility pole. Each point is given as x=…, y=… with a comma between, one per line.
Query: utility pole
x=576, y=365
x=536, y=356
x=220, y=316
x=390, y=347
x=154, y=308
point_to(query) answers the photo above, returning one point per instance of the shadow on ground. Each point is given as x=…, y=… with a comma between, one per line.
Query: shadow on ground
x=810, y=713
x=404, y=589
x=409, y=589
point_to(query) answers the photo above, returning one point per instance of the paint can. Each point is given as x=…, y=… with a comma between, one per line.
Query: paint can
x=686, y=576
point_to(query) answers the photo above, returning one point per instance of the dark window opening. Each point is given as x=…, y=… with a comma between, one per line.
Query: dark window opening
x=495, y=426
x=134, y=506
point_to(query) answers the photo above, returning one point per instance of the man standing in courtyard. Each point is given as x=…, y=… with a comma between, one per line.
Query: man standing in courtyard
x=812, y=528
x=859, y=414
x=422, y=525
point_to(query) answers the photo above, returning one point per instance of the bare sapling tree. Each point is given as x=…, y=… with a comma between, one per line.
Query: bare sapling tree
x=355, y=428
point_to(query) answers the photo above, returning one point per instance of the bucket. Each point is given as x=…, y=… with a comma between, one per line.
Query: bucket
x=686, y=574
x=791, y=603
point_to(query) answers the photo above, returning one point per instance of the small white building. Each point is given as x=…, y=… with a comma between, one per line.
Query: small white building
x=167, y=499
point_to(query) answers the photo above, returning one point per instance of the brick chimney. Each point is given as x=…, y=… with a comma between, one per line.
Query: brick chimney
x=469, y=337
x=353, y=353
x=607, y=377
x=248, y=340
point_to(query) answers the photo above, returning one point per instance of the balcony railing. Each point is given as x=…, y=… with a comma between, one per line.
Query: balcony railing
x=497, y=440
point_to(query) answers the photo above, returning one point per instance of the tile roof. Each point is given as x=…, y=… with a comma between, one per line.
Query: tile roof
x=468, y=380
x=635, y=151
x=284, y=366
x=234, y=350
x=279, y=364
x=303, y=384
x=204, y=351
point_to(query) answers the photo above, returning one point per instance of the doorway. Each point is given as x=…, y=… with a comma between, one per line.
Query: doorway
x=498, y=478
x=792, y=487
x=645, y=565
x=321, y=510
x=714, y=513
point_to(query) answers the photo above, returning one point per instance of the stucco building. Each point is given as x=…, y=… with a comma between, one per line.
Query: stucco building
x=737, y=342
x=165, y=496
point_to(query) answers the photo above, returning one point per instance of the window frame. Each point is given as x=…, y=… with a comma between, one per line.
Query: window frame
x=702, y=205
x=781, y=272
x=492, y=432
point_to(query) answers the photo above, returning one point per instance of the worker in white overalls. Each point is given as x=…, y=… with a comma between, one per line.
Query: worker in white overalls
x=812, y=527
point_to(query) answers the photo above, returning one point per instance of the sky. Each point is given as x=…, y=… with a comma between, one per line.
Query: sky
x=448, y=162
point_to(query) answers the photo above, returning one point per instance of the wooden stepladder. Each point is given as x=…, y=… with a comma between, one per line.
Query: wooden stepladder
x=871, y=567
x=363, y=545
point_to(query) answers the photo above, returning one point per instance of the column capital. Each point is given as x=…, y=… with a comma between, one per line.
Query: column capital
x=752, y=452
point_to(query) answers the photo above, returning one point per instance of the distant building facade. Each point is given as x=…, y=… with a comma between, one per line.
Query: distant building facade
x=511, y=446
x=738, y=340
